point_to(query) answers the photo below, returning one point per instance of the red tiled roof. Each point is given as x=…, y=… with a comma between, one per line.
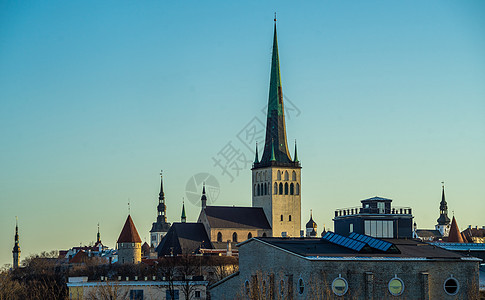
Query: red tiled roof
x=129, y=234
x=455, y=234
x=80, y=257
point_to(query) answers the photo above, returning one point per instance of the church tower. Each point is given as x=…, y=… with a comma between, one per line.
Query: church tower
x=276, y=178
x=16, y=248
x=161, y=226
x=129, y=244
x=443, y=221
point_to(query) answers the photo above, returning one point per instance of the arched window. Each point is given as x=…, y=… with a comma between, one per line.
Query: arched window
x=281, y=189
x=286, y=175
x=259, y=189
x=265, y=189
x=250, y=235
x=301, y=286
x=264, y=234
x=292, y=189
x=281, y=218
x=219, y=237
x=265, y=175
x=275, y=188
x=255, y=190
x=293, y=176
x=286, y=188
x=297, y=192
x=234, y=237
x=289, y=218
x=278, y=175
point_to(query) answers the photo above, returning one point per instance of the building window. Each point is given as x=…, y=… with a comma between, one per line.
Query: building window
x=246, y=287
x=340, y=286
x=451, y=286
x=275, y=188
x=281, y=219
x=286, y=188
x=381, y=207
x=293, y=176
x=396, y=286
x=255, y=190
x=297, y=192
x=278, y=175
x=219, y=237
x=379, y=229
x=250, y=235
x=259, y=190
x=281, y=188
x=265, y=189
x=289, y=218
x=264, y=234
x=287, y=177
x=282, y=287
x=351, y=228
x=292, y=189
x=136, y=294
x=197, y=294
x=301, y=286
x=169, y=296
x=234, y=237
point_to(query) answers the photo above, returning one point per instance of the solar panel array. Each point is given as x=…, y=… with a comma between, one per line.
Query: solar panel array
x=344, y=241
x=372, y=242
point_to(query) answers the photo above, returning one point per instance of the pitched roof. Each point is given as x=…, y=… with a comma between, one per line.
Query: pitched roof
x=236, y=217
x=184, y=238
x=428, y=233
x=129, y=234
x=455, y=235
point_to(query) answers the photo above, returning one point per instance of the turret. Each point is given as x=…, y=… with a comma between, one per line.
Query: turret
x=16, y=247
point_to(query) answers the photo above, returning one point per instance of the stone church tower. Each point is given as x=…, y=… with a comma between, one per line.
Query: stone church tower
x=443, y=221
x=276, y=178
x=161, y=226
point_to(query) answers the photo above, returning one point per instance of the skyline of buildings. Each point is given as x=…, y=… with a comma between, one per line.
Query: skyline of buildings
x=73, y=152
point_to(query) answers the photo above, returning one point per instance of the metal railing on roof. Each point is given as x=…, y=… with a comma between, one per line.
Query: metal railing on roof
x=396, y=210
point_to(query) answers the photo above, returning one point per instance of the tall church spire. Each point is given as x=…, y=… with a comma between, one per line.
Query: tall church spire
x=161, y=226
x=443, y=219
x=203, y=199
x=16, y=248
x=275, y=124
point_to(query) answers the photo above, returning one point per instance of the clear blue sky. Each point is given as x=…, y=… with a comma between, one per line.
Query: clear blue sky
x=97, y=97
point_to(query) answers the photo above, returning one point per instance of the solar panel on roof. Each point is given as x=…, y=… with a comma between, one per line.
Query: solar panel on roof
x=371, y=241
x=343, y=241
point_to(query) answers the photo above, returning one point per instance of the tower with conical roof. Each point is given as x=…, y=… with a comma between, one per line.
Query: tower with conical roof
x=443, y=221
x=16, y=247
x=161, y=226
x=276, y=177
x=129, y=243
x=183, y=217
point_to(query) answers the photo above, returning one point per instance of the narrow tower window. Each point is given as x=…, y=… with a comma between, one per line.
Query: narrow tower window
x=281, y=189
x=250, y=235
x=259, y=189
x=297, y=192
x=286, y=188
x=234, y=237
x=278, y=176
x=289, y=218
x=293, y=176
x=287, y=177
x=265, y=189
x=292, y=189
x=275, y=188
x=281, y=218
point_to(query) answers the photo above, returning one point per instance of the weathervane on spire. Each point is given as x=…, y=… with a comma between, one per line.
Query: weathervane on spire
x=129, y=211
x=275, y=17
x=161, y=171
x=443, y=184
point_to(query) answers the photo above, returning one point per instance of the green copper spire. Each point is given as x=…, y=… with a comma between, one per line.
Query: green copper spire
x=184, y=217
x=296, y=154
x=275, y=145
x=272, y=153
x=256, y=159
